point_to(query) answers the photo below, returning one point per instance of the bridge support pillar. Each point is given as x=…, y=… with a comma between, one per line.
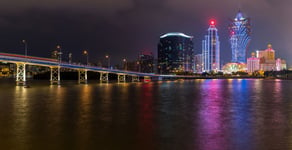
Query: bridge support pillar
x=21, y=74
x=135, y=79
x=121, y=78
x=55, y=75
x=82, y=76
x=147, y=79
x=103, y=76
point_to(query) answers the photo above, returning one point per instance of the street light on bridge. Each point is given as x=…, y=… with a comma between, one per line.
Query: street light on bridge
x=85, y=52
x=70, y=58
x=59, y=53
x=139, y=66
x=108, y=60
x=125, y=63
x=25, y=48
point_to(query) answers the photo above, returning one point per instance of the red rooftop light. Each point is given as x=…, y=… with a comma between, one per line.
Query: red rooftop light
x=212, y=22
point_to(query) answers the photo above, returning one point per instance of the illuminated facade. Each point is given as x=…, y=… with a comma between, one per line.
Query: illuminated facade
x=175, y=53
x=253, y=63
x=268, y=55
x=211, y=49
x=198, y=60
x=267, y=59
x=6, y=70
x=234, y=67
x=240, y=32
x=281, y=64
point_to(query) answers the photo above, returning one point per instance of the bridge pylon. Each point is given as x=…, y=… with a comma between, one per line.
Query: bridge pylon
x=82, y=76
x=121, y=78
x=103, y=77
x=55, y=75
x=20, y=74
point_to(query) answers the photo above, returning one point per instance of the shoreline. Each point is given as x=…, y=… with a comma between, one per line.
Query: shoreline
x=165, y=79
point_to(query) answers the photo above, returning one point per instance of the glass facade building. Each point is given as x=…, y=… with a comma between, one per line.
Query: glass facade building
x=240, y=31
x=211, y=49
x=175, y=53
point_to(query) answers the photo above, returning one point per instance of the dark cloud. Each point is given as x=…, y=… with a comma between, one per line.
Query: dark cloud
x=124, y=27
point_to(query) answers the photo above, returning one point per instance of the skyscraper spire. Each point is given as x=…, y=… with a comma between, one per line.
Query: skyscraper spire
x=239, y=16
x=239, y=4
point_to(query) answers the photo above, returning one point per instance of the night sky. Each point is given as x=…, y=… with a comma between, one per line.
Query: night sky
x=122, y=28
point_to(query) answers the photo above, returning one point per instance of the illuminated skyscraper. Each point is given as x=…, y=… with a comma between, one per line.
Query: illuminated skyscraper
x=240, y=32
x=211, y=49
x=175, y=53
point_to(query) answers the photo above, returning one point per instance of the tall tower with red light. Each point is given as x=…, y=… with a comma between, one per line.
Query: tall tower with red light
x=211, y=49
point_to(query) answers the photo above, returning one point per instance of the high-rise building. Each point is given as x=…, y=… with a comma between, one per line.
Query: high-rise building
x=146, y=62
x=211, y=49
x=267, y=59
x=268, y=55
x=240, y=31
x=253, y=63
x=198, y=63
x=175, y=53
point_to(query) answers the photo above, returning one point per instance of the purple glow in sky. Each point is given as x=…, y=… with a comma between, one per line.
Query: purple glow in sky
x=122, y=28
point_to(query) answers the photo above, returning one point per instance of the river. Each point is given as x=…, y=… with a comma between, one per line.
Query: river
x=203, y=114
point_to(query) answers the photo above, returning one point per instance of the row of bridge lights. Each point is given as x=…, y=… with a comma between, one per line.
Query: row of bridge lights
x=85, y=53
x=107, y=57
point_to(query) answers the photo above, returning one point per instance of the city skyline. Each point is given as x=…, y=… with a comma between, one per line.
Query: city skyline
x=123, y=29
x=145, y=74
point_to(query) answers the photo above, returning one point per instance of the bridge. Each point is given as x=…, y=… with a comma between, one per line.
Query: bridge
x=55, y=65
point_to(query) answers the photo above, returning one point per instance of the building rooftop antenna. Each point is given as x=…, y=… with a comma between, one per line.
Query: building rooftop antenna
x=239, y=5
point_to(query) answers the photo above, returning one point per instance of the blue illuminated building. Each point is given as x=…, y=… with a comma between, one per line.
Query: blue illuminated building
x=240, y=32
x=175, y=54
x=211, y=49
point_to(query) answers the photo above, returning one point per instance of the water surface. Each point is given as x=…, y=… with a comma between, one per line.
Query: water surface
x=172, y=115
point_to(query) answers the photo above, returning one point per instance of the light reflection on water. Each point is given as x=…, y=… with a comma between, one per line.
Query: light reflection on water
x=211, y=116
x=20, y=115
x=199, y=114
